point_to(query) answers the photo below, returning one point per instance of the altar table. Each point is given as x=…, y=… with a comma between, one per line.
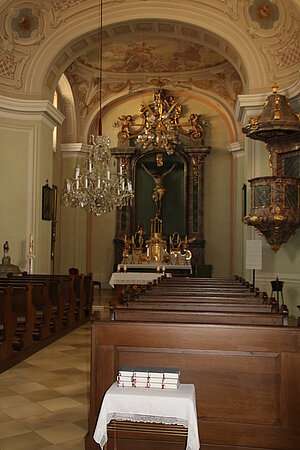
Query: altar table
x=128, y=278
x=165, y=406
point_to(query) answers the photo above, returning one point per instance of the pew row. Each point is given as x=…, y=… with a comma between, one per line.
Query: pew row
x=36, y=310
x=194, y=316
x=246, y=378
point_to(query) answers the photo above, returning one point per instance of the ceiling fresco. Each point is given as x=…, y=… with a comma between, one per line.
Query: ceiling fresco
x=154, y=55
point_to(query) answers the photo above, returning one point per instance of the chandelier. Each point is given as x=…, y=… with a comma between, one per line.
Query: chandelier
x=95, y=187
x=160, y=127
x=275, y=200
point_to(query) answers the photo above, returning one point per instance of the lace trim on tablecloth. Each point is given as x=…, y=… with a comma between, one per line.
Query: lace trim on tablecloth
x=143, y=418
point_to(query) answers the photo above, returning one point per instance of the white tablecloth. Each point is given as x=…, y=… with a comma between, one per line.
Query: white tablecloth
x=173, y=406
x=133, y=278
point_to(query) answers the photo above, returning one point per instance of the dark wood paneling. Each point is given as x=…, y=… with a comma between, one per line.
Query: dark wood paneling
x=247, y=379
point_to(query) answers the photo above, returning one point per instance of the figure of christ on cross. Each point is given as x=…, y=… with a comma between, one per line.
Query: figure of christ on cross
x=159, y=190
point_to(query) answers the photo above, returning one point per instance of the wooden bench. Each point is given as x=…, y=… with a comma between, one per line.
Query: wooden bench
x=203, y=306
x=246, y=379
x=238, y=318
x=8, y=323
x=36, y=309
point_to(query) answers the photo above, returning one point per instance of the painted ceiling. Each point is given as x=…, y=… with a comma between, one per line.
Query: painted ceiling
x=153, y=55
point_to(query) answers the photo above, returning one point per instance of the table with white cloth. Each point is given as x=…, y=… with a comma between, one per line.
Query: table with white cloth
x=136, y=404
x=133, y=278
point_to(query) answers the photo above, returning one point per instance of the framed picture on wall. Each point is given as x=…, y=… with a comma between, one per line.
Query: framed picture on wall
x=47, y=202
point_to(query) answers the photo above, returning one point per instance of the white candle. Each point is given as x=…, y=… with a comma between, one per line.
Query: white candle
x=125, y=267
x=77, y=172
x=68, y=185
x=170, y=240
x=118, y=268
x=186, y=239
x=125, y=238
x=108, y=174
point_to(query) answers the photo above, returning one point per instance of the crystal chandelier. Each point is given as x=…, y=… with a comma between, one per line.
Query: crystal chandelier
x=94, y=187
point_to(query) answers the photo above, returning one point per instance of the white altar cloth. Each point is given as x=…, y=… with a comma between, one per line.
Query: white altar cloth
x=133, y=278
x=173, y=406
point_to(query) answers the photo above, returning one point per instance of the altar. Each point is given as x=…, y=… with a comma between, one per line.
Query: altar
x=179, y=270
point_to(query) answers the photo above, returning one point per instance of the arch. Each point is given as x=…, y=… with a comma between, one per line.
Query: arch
x=70, y=126
x=206, y=18
x=215, y=103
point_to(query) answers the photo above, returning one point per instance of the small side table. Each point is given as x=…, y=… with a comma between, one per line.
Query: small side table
x=149, y=406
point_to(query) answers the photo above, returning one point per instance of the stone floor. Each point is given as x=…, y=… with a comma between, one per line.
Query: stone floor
x=44, y=400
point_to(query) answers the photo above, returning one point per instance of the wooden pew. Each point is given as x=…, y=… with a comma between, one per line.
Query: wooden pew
x=204, y=298
x=73, y=295
x=246, y=379
x=178, y=316
x=8, y=324
x=43, y=301
x=203, y=306
x=22, y=306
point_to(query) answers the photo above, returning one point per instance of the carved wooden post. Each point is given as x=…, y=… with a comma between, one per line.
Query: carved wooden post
x=124, y=217
x=195, y=219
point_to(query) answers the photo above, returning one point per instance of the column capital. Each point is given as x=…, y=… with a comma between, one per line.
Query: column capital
x=236, y=149
x=74, y=149
x=21, y=109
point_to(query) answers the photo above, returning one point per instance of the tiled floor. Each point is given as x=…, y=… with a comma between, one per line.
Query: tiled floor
x=44, y=400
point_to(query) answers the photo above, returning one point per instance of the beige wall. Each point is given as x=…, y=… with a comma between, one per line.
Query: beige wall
x=26, y=164
x=14, y=160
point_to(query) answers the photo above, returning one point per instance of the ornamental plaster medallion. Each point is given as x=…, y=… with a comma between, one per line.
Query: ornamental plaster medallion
x=25, y=24
x=264, y=18
x=264, y=12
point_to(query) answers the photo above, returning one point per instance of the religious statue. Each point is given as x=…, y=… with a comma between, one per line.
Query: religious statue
x=5, y=247
x=126, y=122
x=159, y=190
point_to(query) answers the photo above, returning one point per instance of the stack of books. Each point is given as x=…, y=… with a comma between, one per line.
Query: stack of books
x=151, y=377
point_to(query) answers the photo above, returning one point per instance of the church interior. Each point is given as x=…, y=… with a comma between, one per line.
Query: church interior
x=160, y=138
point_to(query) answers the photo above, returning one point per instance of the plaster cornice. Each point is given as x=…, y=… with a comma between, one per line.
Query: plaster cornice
x=13, y=108
x=236, y=148
x=74, y=148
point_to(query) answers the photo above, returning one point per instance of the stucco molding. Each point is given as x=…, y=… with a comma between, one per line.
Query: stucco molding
x=75, y=149
x=13, y=108
x=191, y=15
x=236, y=149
